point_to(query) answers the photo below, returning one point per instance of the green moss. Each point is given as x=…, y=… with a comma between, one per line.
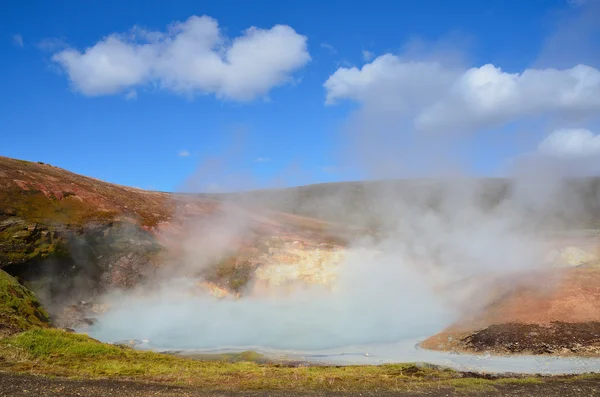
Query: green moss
x=22, y=242
x=232, y=272
x=20, y=309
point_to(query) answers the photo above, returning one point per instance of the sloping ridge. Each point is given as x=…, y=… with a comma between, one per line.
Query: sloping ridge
x=69, y=232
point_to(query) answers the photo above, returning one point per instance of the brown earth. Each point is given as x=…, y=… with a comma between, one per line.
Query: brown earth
x=546, y=312
x=28, y=385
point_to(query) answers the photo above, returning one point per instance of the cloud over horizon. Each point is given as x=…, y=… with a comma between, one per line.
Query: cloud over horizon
x=437, y=97
x=189, y=58
x=574, y=143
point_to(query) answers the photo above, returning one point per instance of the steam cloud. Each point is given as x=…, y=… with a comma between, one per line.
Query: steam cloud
x=438, y=233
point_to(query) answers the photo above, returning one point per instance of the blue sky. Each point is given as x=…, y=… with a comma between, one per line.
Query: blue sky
x=261, y=119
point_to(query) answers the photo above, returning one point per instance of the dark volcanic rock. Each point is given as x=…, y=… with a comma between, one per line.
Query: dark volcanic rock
x=76, y=262
x=555, y=338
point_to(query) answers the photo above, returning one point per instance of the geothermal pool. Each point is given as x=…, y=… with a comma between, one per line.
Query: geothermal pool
x=374, y=314
x=408, y=351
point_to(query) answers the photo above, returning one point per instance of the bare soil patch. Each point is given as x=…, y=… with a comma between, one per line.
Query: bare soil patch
x=550, y=312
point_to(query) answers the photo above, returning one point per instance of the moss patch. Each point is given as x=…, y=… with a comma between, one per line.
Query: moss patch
x=22, y=242
x=20, y=310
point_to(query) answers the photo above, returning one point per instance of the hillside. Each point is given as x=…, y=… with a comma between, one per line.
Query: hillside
x=69, y=236
x=575, y=202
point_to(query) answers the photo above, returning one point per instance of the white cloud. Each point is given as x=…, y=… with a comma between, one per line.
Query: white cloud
x=486, y=96
x=571, y=144
x=389, y=82
x=367, y=55
x=184, y=153
x=440, y=98
x=191, y=57
x=329, y=47
x=262, y=160
x=18, y=40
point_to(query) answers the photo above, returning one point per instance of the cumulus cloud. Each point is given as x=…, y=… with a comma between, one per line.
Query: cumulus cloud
x=438, y=97
x=367, y=55
x=571, y=144
x=389, y=82
x=184, y=153
x=17, y=40
x=487, y=96
x=191, y=57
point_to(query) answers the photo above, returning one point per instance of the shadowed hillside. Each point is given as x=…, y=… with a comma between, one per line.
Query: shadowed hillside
x=369, y=204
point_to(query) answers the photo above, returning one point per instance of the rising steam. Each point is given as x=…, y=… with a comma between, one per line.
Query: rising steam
x=412, y=278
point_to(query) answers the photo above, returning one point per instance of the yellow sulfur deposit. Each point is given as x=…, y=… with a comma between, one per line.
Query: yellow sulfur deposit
x=291, y=264
x=571, y=256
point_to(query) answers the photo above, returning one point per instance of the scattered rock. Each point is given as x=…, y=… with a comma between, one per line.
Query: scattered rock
x=554, y=338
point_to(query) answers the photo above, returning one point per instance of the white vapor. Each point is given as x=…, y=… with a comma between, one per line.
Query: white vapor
x=423, y=243
x=191, y=57
x=379, y=302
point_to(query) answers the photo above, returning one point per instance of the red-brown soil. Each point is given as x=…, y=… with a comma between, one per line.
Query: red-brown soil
x=553, y=311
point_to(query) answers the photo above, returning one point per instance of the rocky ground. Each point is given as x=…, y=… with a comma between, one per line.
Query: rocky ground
x=555, y=338
x=558, y=314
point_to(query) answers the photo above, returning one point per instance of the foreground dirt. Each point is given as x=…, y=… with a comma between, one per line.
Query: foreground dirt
x=28, y=385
